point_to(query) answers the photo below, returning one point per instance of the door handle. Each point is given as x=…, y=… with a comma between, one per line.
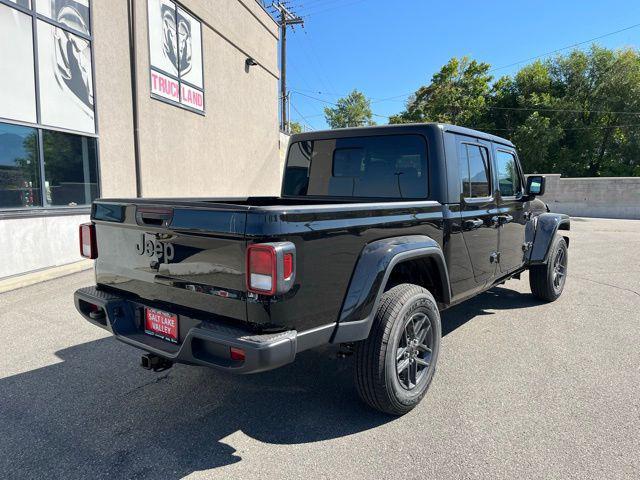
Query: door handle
x=503, y=219
x=473, y=224
x=157, y=217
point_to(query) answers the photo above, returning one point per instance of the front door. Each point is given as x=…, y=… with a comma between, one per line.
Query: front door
x=478, y=208
x=512, y=215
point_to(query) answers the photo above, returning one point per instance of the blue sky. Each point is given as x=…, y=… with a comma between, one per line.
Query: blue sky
x=390, y=48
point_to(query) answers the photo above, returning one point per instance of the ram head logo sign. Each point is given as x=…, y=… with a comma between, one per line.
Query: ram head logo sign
x=175, y=50
x=177, y=39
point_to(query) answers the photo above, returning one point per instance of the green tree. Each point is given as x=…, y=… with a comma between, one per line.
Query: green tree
x=575, y=114
x=536, y=139
x=520, y=108
x=457, y=94
x=295, y=127
x=353, y=110
x=604, y=86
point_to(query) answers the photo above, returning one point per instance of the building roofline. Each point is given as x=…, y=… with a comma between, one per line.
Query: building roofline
x=267, y=12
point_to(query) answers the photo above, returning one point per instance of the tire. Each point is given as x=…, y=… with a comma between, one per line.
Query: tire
x=547, y=281
x=405, y=313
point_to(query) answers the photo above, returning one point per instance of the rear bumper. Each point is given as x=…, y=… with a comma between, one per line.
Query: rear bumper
x=202, y=341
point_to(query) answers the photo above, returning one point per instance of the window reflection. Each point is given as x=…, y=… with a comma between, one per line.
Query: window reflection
x=473, y=162
x=70, y=168
x=19, y=173
x=508, y=177
x=478, y=171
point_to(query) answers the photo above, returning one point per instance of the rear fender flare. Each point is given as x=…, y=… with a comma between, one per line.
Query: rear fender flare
x=546, y=225
x=375, y=264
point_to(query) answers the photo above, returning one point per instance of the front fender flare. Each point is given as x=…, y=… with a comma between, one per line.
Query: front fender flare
x=370, y=278
x=546, y=226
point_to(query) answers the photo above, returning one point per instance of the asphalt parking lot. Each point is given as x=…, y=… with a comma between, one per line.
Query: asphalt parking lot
x=523, y=390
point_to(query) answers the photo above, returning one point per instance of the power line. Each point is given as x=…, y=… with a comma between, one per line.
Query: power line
x=395, y=97
x=330, y=94
x=516, y=108
x=511, y=129
x=309, y=8
x=315, y=98
x=315, y=55
x=304, y=119
x=308, y=14
x=565, y=48
x=557, y=50
x=568, y=128
x=558, y=110
x=334, y=104
x=308, y=4
x=294, y=67
x=319, y=92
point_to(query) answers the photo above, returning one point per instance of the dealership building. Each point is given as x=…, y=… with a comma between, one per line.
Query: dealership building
x=127, y=98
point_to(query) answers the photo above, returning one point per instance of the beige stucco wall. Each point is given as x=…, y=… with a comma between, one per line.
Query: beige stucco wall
x=230, y=151
x=233, y=149
x=113, y=98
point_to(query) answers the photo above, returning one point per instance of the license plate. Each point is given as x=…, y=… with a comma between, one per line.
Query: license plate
x=161, y=324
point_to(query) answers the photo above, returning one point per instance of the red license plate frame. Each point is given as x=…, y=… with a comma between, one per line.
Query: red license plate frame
x=160, y=324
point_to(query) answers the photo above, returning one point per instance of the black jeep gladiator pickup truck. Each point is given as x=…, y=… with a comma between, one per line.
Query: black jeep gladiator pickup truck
x=376, y=231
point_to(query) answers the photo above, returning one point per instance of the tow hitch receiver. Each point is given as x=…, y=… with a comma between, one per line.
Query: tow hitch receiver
x=155, y=363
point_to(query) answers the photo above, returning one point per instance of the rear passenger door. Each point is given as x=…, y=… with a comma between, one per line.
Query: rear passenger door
x=512, y=213
x=478, y=207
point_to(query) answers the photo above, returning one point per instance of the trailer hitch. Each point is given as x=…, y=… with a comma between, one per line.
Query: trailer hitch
x=155, y=363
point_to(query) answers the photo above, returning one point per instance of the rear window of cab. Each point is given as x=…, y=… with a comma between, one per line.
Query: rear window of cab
x=384, y=166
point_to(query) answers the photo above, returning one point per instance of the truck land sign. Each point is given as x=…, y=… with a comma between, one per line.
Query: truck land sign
x=175, y=51
x=171, y=89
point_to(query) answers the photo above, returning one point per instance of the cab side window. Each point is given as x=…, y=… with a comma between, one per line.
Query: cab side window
x=508, y=176
x=474, y=171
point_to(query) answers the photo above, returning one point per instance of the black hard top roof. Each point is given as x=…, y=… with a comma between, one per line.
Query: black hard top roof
x=399, y=128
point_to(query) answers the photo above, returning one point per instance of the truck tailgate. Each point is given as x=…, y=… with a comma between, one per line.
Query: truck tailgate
x=188, y=255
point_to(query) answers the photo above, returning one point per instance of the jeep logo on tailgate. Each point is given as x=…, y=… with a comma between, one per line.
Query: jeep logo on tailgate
x=149, y=246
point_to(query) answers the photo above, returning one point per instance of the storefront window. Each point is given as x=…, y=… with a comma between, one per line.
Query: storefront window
x=70, y=169
x=48, y=149
x=17, y=78
x=66, y=84
x=19, y=167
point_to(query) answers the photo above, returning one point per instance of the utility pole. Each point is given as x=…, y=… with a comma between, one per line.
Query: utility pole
x=286, y=18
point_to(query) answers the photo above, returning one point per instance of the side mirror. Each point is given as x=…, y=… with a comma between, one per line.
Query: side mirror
x=535, y=186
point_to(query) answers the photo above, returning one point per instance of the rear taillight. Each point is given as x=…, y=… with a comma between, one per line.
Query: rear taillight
x=271, y=267
x=237, y=354
x=262, y=269
x=288, y=265
x=88, y=246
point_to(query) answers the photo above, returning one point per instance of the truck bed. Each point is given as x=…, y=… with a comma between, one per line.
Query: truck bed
x=207, y=240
